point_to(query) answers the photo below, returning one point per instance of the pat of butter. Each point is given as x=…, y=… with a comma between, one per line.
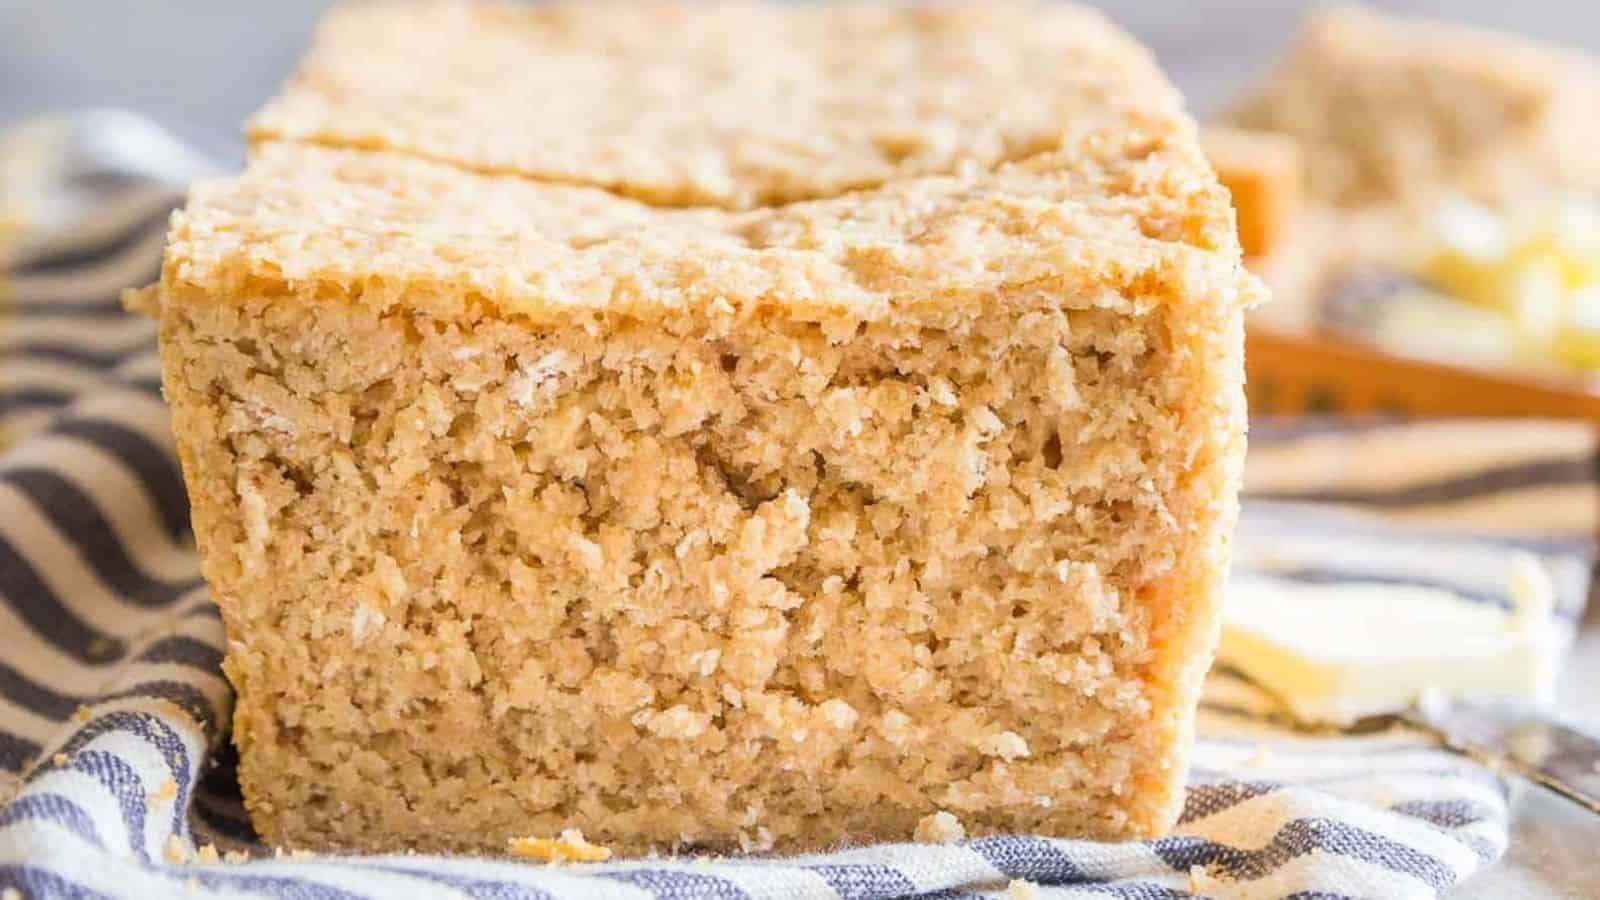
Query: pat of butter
x=1335, y=653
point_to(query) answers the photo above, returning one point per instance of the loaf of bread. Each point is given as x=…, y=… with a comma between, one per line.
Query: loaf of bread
x=732, y=427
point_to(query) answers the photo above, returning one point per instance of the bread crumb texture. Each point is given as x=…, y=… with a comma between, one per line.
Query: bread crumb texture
x=1204, y=883
x=176, y=850
x=1022, y=889
x=165, y=792
x=939, y=828
x=569, y=847
x=538, y=500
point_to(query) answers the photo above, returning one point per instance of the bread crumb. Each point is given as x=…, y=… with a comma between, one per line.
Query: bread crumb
x=761, y=842
x=81, y=714
x=839, y=714
x=677, y=723
x=163, y=793
x=570, y=847
x=705, y=661
x=234, y=857
x=1204, y=882
x=1008, y=745
x=391, y=581
x=208, y=853
x=940, y=828
x=1022, y=889
x=365, y=622
x=176, y=850
x=541, y=378
x=60, y=759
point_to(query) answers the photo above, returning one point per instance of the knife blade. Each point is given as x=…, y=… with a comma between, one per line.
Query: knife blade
x=1515, y=737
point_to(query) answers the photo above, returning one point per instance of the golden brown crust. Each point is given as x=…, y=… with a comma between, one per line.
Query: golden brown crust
x=735, y=104
x=350, y=222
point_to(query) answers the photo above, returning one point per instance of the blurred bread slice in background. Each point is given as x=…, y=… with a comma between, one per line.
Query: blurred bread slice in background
x=1395, y=110
x=1428, y=263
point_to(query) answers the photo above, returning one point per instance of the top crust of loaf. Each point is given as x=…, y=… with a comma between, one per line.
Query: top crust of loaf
x=391, y=230
x=730, y=105
x=647, y=159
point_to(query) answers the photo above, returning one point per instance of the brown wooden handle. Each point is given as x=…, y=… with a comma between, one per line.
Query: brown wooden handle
x=1325, y=373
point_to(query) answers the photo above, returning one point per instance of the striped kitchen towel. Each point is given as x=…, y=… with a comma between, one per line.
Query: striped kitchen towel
x=116, y=777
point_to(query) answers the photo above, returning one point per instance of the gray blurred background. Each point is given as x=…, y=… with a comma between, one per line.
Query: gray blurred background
x=200, y=66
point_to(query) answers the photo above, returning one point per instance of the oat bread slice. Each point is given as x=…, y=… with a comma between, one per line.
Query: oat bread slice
x=531, y=506
x=1398, y=111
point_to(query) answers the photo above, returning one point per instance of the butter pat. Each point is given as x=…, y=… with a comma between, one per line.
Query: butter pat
x=1335, y=653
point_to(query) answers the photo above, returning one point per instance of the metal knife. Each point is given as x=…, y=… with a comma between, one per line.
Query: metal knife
x=1518, y=738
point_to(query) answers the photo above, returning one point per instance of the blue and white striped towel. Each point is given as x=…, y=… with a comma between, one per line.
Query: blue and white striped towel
x=115, y=772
